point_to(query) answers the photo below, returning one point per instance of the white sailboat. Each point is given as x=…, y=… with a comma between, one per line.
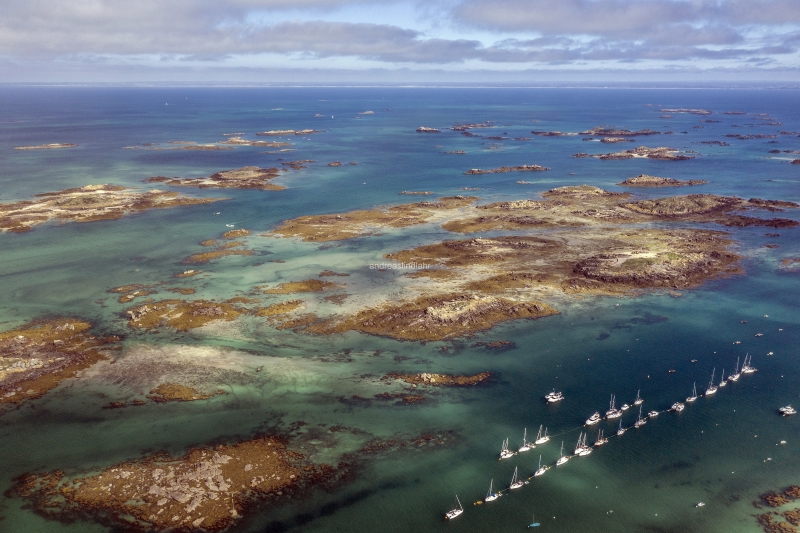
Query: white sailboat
x=564, y=458
x=541, y=469
x=515, y=481
x=638, y=400
x=747, y=367
x=581, y=448
x=640, y=421
x=736, y=375
x=712, y=389
x=693, y=397
x=600, y=438
x=454, y=512
x=525, y=444
x=505, y=453
x=621, y=430
x=491, y=495
x=541, y=439
x=722, y=381
x=613, y=412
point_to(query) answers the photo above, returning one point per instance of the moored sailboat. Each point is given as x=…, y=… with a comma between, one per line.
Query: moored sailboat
x=564, y=458
x=505, y=453
x=693, y=397
x=613, y=412
x=640, y=421
x=454, y=512
x=525, y=444
x=491, y=495
x=515, y=481
x=541, y=439
x=712, y=389
x=541, y=469
x=638, y=400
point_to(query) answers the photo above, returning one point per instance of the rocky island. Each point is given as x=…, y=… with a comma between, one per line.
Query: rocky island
x=88, y=204
x=661, y=153
x=645, y=180
x=500, y=170
x=241, y=178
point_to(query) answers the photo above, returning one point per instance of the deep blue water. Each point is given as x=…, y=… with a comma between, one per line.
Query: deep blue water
x=716, y=451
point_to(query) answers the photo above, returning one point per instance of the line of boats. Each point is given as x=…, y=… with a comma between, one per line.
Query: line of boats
x=583, y=449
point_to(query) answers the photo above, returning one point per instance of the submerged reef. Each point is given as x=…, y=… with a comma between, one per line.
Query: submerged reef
x=88, y=204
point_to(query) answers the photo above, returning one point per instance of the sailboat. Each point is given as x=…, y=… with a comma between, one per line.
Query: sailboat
x=491, y=495
x=746, y=367
x=712, y=389
x=638, y=400
x=534, y=523
x=564, y=458
x=515, y=481
x=454, y=512
x=541, y=439
x=613, y=412
x=722, y=381
x=525, y=444
x=640, y=421
x=505, y=453
x=581, y=448
x=621, y=430
x=600, y=438
x=693, y=397
x=541, y=469
x=736, y=375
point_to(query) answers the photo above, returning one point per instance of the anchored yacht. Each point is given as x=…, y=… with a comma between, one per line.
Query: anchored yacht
x=594, y=419
x=652, y=414
x=491, y=495
x=564, y=458
x=712, y=389
x=553, y=397
x=788, y=410
x=693, y=397
x=625, y=407
x=454, y=512
x=613, y=412
x=505, y=453
x=541, y=439
x=525, y=444
x=678, y=407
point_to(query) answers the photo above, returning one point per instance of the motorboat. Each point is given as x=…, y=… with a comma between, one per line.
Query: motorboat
x=594, y=419
x=625, y=407
x=788, y=410
x=652, y=414
x=553, y=397
x=678, y=407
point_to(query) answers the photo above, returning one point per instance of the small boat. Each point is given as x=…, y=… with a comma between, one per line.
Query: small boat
x=770, y=353
x=722, y=381
x=652, y=414
x=737, y=342
x=491, y=495
x=788, y=410
x=515, y=481
x=621, y=430
x=525, y=444
x=700, y=504
x=639, y=420
x=693, y=397
x=564, y=458
x=625, y=407
x=541, y=469
x=613, y=412
x=581, y=448
x=712, y=389
x=678, y=407
x=455, y=511
x=553, y=397
x=600, y=438
x=505, y=453
x=671, y=370
x=736, y=375
x=594, y=419
x=759, y=334
x=638, y=400
x=747, y=368
x=534, y=523
x=541, y=439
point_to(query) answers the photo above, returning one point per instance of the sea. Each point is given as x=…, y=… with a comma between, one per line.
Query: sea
x=724, y=450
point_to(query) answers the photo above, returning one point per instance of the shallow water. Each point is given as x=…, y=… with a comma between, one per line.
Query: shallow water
x=715, y=451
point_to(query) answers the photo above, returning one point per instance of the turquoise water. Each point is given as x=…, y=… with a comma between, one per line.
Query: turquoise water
x=715, y=451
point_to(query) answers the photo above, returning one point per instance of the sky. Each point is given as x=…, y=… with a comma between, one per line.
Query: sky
x=399, y=41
